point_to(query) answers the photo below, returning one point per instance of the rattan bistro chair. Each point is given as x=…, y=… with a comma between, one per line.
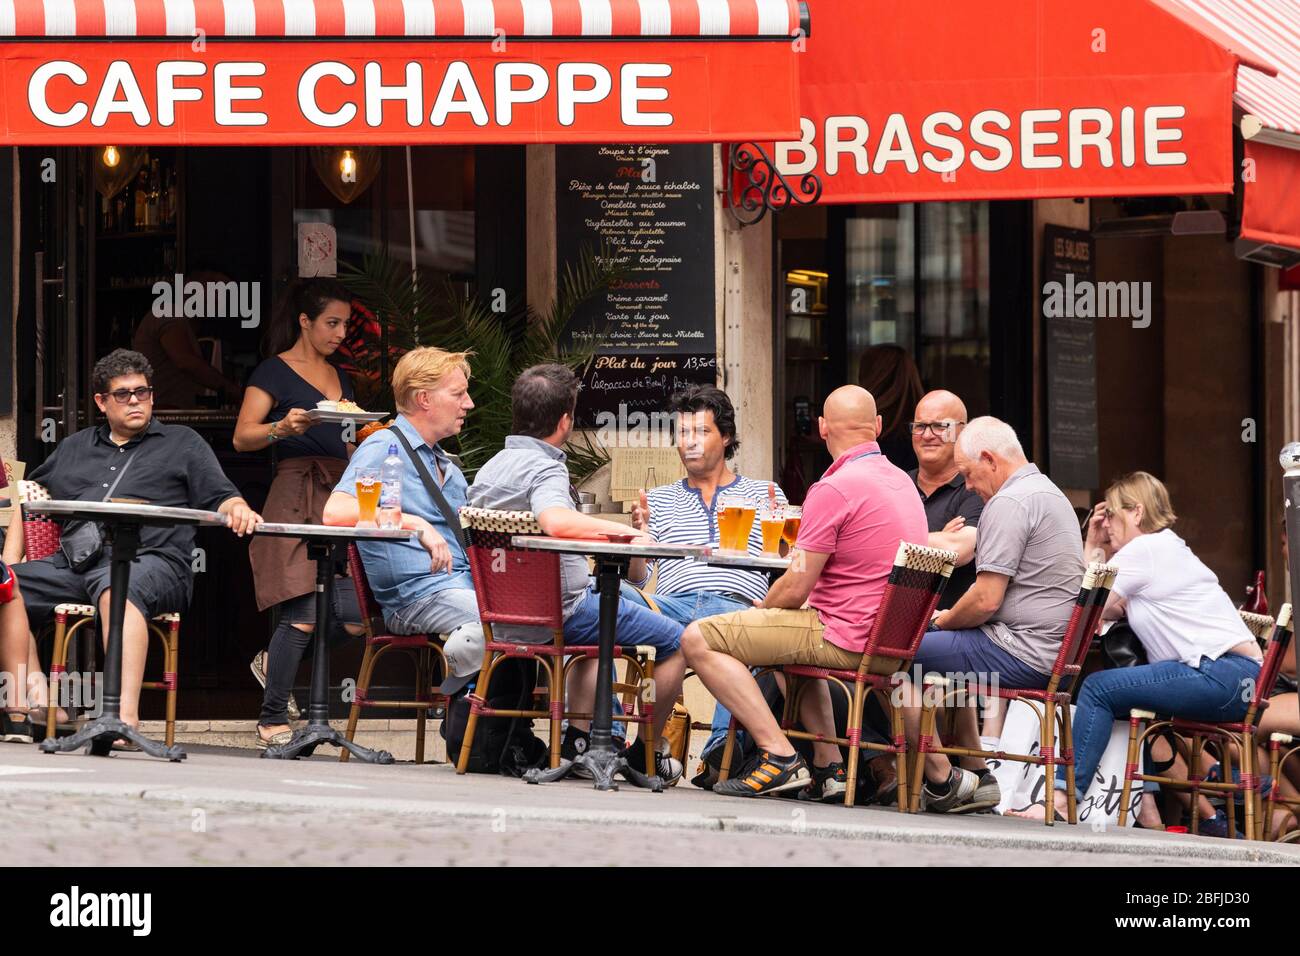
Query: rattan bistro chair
x=1085, y=620
x=41, y=537
x=520, y=587
x=910, y=597
x=421, y=647
x=1220, y=736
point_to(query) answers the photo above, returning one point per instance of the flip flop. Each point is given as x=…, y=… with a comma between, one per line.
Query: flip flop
x=125, y=746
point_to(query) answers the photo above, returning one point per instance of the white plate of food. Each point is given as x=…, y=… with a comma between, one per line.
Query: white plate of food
x=342, y=412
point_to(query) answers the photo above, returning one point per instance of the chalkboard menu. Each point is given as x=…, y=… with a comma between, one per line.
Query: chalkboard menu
x=651, y=207
x=1071, y=345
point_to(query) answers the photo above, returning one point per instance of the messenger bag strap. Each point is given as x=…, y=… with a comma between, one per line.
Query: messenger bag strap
x=120, y=475
x=448, y=512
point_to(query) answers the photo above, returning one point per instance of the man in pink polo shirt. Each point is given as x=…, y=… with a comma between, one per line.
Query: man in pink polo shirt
x=819, y=612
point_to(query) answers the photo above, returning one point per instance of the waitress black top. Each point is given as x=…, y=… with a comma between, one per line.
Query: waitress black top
x=290, y=390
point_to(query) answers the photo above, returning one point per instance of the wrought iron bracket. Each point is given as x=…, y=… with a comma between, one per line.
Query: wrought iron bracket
x=762, y=188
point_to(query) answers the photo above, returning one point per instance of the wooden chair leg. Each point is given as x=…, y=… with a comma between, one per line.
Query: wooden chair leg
x=471, y=725
x=359, y=694
x=1274, y=761
x=647, y=708
x=1247, y=767
x=1230, y=801
x=421, y=713
x=900, y=760
x=1067, y=757
x=1047, y=749
x=922, y=748
x=1193, y=775
x=555, y=696
x=172, y=676
x=856, y=706
x=58, y=664
x=1130, y=769
x=724, y=772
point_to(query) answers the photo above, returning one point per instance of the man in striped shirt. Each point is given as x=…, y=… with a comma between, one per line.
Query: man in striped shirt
x=685, y=512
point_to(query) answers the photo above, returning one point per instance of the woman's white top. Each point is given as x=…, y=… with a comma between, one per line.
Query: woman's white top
x=1175, y=604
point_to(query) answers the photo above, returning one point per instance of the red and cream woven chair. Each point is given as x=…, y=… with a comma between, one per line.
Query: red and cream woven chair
x=1222, y=737
x=911, y=595
x=379, y=642
x=520, y=587
x=1085, y=620
x=41, y=538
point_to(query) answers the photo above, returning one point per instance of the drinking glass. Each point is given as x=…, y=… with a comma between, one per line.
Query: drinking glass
x=368, y=487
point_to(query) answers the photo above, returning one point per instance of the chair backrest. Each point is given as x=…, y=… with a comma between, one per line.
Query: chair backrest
x=513, y=585
x=1085, y=621
x=41, y=534
x=911, y=595
x=371, y=614
x=1261, y=625
x=1279, y=645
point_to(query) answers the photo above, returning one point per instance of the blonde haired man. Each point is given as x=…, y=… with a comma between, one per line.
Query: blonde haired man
x=419, y=595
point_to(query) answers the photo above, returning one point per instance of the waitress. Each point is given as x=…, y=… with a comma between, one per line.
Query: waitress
x=307, y=328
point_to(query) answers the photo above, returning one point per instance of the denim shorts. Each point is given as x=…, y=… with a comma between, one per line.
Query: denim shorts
x=688, y=606
x=637, y=624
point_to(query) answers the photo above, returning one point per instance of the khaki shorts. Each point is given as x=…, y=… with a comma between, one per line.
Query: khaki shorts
x=761, y=636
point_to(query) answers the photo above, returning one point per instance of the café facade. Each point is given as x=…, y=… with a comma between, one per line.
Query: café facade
x=789, y=185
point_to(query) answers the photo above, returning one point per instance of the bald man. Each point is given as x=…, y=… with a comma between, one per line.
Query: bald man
x=853, y=520
x=952, y=511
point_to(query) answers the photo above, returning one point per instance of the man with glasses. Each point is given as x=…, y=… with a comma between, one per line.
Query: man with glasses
x=135, y=457
x=952, y=511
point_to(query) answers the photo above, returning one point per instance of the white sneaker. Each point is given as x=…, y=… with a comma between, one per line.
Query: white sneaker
x=960, y=796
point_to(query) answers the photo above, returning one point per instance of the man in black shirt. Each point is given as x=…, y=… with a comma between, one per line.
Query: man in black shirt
x=951, y=511
x=166, y=465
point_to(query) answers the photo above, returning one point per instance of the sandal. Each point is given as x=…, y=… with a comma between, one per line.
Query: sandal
x=275, y=740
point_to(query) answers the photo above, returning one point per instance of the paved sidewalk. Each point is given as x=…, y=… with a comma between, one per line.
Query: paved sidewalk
x=224, y=806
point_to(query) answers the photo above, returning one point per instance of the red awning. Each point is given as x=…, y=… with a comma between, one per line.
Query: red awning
x=396, y=71
x=1268, y=100
x=1003, y=99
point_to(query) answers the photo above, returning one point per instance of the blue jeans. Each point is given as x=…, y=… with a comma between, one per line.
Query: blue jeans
x=972, y=652
x=1218, y=690
x=690, y=606
x=636, y=624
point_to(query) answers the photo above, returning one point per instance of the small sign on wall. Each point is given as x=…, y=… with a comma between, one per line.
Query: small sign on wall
x=317, y=250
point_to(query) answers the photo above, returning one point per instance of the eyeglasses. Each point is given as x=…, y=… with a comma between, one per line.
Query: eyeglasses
x=938, y=428
x=123, y=395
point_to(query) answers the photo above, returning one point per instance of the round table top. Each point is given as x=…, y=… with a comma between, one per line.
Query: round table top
x=697, y=552
x=615, y=549
x=126, y=513
x=331, y=532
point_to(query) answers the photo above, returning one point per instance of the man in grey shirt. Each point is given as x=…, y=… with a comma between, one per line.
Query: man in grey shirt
x=529, y=474
x=1029, y=566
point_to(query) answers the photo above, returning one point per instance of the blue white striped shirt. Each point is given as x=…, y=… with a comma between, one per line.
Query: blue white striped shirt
x=679, y=515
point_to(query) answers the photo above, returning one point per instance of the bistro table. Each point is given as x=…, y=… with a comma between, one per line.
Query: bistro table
x=612, y=560
x=771, y=563
x=322, y=540
x=122, y=523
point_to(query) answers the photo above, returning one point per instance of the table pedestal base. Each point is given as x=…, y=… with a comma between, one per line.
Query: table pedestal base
x=307, y=739
x=98, y=737
x=604, y=765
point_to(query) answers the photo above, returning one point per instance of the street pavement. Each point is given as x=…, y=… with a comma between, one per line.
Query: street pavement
x=228, y=807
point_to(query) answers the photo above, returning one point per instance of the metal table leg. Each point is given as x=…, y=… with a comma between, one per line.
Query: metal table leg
x=98, y=735
x=318, y=730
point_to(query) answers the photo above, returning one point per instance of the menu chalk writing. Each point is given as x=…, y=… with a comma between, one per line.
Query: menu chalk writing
x=1071, y=345
x=651, y=208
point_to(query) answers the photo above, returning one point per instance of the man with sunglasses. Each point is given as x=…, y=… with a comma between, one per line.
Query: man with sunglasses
x=952, y=511
x=134, y=457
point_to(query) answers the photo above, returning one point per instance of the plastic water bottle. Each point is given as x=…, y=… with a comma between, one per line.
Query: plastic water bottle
x=390, y=490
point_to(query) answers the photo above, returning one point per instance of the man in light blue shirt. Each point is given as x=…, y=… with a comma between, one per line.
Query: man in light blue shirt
x=423, y=585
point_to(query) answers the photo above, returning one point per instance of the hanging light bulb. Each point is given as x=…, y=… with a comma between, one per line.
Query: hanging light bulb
x=348, y=167
x=111, y=157
x=346, y=171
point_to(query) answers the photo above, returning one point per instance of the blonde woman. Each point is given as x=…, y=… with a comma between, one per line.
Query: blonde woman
x=1202, y=659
